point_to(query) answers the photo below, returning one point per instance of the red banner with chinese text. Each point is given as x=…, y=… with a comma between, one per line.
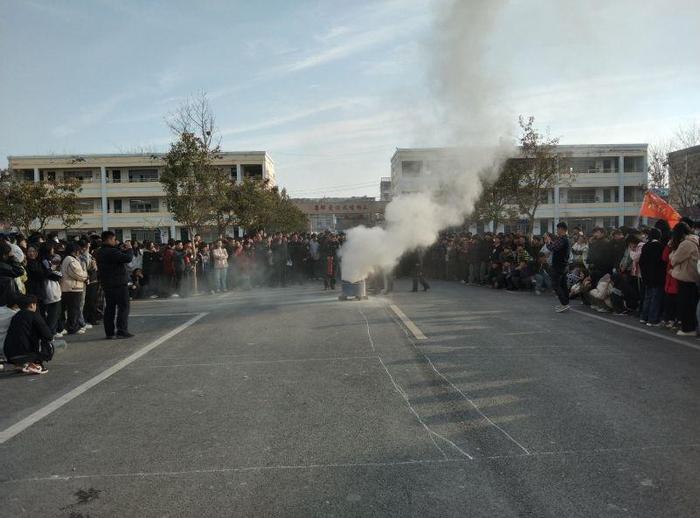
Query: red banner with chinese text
x=655, y=206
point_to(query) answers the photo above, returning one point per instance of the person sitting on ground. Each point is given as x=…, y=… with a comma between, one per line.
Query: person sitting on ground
x=542, y=278
x=136, y=284
x=28, y=341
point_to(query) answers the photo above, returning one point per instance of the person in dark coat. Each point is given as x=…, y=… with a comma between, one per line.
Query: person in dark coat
x=114, y=278
x=27, y=344
x=560, y=249
x=417, y=261
x=653, y=269
x=600, y=255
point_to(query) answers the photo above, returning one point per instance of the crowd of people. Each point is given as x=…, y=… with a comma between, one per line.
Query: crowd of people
x=651, y=273
x=52, y=288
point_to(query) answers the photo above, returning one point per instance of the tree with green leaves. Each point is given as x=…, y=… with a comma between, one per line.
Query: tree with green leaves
x=287, y=216
x=497, y=201
x=30, y=206
x=539, y=168
x=190, y=181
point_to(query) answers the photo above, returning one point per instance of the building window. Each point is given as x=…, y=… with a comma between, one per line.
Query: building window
x=117, y=206
x=143, y=205
x=81, y=176
x=545, y=196
x=610, y=165
x=581, y=196
x=89, y=205
x=610, y=222
x=631, y=221
x=634, y=195
x=48, y=176
x=582, y=165
x=116, y=176
x=141, y=235
x=611, y=195
x=585, y=224
x=143, y=175
x=252, y=171
x=411, y=167
x=633, y=164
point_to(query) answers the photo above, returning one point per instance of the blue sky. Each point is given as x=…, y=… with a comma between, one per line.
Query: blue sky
x=331, y=88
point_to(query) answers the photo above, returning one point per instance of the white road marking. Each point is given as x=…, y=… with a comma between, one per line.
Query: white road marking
x=144, y=315
x=431, y=433
x=369, y=335
x=407, y=322
x=638, y=329
x=9, y=433
x=466, y=398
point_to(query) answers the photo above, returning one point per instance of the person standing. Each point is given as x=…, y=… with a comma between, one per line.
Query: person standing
x=112, y=269
x=560, y=249
x=684, y=260
x=653, y=270
x=220, y=257
x=73, y=277
x=417, y=261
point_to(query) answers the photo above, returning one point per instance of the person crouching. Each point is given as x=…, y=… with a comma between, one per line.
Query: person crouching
x=28, y=342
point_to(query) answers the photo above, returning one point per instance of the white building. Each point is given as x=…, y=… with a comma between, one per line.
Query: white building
x=122, y=192
x=607, y=190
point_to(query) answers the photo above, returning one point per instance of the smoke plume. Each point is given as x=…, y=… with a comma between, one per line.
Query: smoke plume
x=469, y=118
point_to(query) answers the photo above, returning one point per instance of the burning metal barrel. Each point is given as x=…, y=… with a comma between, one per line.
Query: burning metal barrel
x=356, y=290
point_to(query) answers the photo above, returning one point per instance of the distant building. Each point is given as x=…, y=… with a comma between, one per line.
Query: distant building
x=122, y=192
x=385, y=188
x=684, y=180
x=339, y=214
x=609, y=184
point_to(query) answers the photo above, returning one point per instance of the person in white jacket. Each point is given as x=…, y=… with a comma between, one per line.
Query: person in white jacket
x=73, y=277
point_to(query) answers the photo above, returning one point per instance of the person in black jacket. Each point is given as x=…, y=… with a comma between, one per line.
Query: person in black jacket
x=113, y=275
x=560, y=249
x=10, y=269
x=653, y=270
x=600, y=255
x=27, y=344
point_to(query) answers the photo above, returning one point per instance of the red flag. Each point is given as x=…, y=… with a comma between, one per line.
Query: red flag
x=655, y=206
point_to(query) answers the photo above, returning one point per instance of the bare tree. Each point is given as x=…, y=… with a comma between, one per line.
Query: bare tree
x=196, y=117
x=683, y=169
x=658, y=164
x=538, y=169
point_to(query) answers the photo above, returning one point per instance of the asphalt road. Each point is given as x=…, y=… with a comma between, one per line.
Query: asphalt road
x=292, y=403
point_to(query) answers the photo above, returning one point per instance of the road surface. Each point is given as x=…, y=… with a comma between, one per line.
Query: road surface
x=287, y=402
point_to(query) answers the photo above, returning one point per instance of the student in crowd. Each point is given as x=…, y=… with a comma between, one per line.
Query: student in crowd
x=73, y=278
x=28, y=341
x=219, y=256
x=653, y=273
x=560, y=249
x=684, y=262
x=112, y=267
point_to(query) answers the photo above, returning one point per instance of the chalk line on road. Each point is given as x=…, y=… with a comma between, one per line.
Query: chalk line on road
x=23, y=424
x=349, y=465
x=638, y=329
x=408, y=323
x=431, y=433
x=466, y=398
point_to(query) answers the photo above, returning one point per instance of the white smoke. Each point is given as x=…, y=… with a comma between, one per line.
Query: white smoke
x=469, y=117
